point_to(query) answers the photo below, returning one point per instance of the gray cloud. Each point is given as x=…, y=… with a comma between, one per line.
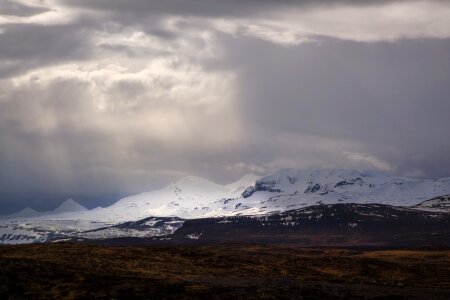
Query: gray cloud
x=13, y=8
x=213, y=8
x=390, y=97
x=106, y=98
x=29, y=46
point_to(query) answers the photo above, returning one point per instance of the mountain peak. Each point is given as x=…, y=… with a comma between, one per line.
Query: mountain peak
x=245, y=181
x=69, y=205
x=191, y=179
x=249, y=177
x=25, y=213
x=196, y=182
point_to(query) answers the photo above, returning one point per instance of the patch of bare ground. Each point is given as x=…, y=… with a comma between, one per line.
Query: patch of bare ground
x=74, y=271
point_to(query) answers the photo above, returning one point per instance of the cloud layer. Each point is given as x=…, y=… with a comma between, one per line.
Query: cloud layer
x=116, y=97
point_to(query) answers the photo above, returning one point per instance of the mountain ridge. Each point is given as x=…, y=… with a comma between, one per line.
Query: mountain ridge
x=280, y=191
x=193, y=197
x=197, y=198
x=67, y=206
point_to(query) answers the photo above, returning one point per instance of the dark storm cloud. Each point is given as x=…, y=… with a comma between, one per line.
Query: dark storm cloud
x=213, y=8
x=25, y=42
x=28, y=46
x=104, y=98
x=391, y=97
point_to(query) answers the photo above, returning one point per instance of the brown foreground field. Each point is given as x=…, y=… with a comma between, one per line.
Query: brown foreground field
x=73, y=271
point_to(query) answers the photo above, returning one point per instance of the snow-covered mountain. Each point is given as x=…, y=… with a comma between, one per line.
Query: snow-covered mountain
x=189, y=197
x=290, y=189
x=193, y=197
x=441, y=203
x=68, y=206
x=27, y=212
x=242, y=184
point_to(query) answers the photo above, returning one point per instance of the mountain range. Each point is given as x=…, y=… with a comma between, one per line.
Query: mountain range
x=68, y=206
x=197, y=198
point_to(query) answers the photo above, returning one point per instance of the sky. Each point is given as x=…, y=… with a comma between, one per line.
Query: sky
x=105, y=98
